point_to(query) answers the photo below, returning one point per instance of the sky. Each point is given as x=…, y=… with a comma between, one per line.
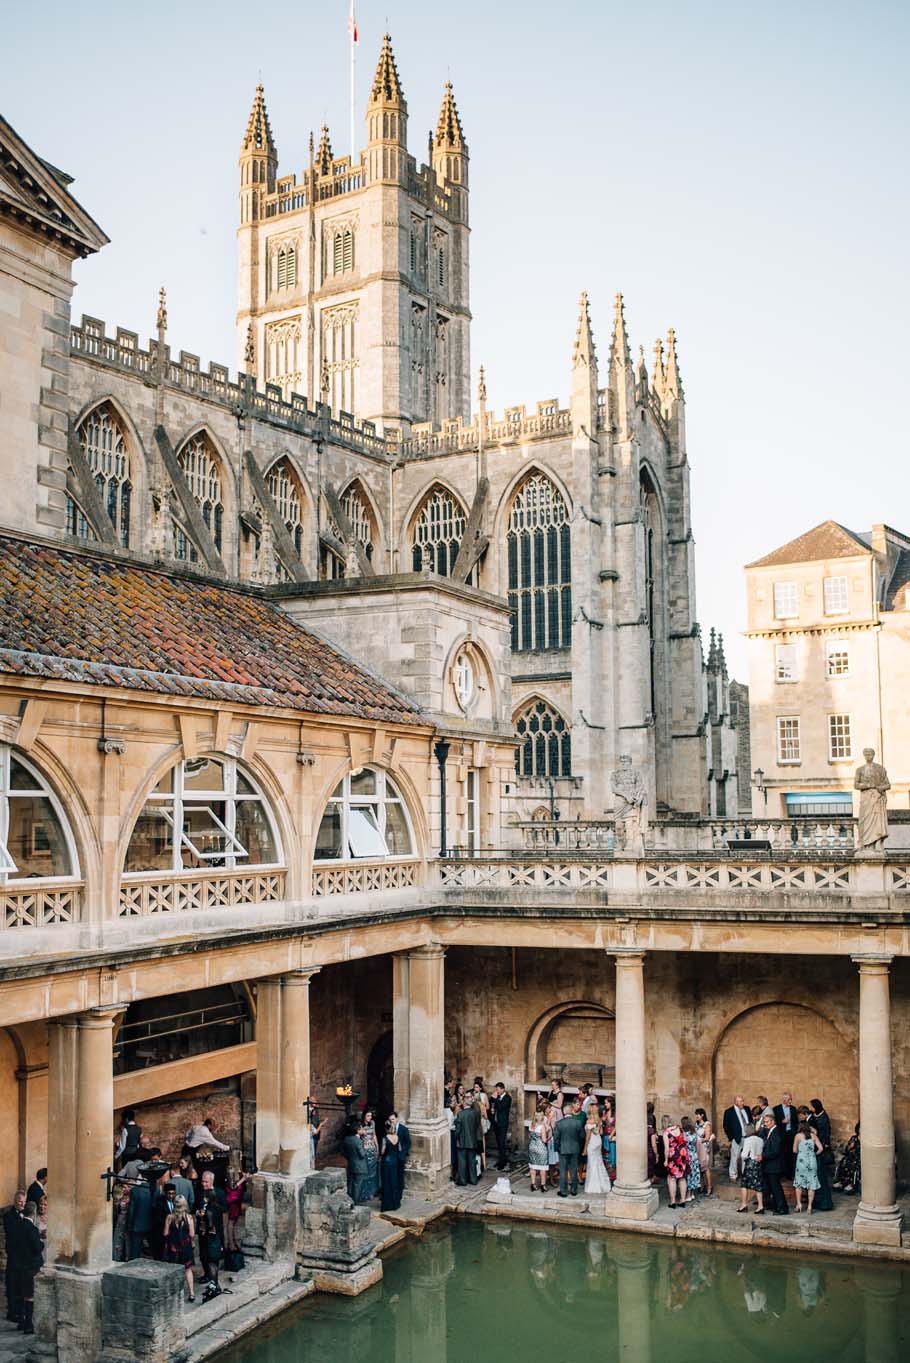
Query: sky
x=738, y=171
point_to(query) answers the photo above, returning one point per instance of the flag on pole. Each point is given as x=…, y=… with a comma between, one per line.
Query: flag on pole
x=352, y=25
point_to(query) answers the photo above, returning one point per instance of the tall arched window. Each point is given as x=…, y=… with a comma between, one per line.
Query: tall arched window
x=205, y=812
x=202, y=470
x=35, y=841
x=358, y=512
x=103, y=444
x=540, y=567
x=437, y=533
x=545, y=742
x=284, y=486
x=650, y=518
x=343, y=251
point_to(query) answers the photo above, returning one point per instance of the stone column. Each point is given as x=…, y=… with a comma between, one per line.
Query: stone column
x=401, y=1042
x=632, y=1197
x=424, y=1017
x=880, y=1288
x=634, y=1296
x=878, y=1218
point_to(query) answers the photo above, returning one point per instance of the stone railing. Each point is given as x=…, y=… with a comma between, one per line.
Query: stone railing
x=144, y=895
x=784, y=835
x=548, y=420
x=363, y=877
x=545, y=873
x=573, y=835
x=40, y=906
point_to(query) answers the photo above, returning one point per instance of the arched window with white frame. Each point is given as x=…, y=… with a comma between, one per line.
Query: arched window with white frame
x=202, y=470
x=104, y=445
x=206, y=812
x=365, y=819
x=36, y=842
x=544, y=742
x=540, y=567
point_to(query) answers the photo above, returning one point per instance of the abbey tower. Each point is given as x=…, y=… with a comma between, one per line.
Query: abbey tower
x=353, y=279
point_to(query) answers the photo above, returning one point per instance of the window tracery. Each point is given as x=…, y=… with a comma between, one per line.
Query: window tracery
x=539, y=567
x=35, y=839
x=202, y=471
x=105, y=449
x=437, y=533
x=360, y=516
x=545, y=742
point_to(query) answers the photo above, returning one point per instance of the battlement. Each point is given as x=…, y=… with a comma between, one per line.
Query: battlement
x=123, y=353
x=291, y=195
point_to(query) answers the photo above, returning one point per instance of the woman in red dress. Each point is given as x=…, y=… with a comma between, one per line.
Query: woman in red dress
x=676, y=1159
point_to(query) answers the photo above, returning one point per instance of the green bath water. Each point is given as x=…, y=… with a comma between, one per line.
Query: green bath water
x=487, y=1292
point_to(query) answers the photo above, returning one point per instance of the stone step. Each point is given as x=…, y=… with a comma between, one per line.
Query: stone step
x=227, y=1328
x=239, y=1290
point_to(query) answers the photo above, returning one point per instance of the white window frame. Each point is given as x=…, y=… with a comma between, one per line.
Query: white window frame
x=845, y=736
x=779, y=668
x=172, y=804
x=464, y=680
x=788, y=761
x=375, y=806
x=786, y=588
x=9, y=871
x=828, y=589
x=472, y=811
x=833, y=646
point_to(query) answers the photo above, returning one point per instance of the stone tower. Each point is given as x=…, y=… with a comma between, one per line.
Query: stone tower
x=353, y=279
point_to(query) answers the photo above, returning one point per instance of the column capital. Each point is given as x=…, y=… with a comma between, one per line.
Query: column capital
x=303, y=975
x=430, y=951
x=873, y=962
x=627, y=955
x=101, y=1017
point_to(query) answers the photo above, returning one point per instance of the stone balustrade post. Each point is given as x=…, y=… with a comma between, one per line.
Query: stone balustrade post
x=878, y=1218
x=632, y=1197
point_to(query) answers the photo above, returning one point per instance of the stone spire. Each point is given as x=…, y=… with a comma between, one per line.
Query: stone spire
x=672, y=382
x=258, y=136
x=449, y=132
x=641, y=370
x=584, y=374
x=657, y=369
x=386, y=88
x=324, y=156
x=712, y=652
x=619, y=348
x=449, y=153
x=584, y=352
x=721, y=657
x=621, y=377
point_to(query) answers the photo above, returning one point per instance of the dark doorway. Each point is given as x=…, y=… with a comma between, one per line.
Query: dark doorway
x=381, y=1079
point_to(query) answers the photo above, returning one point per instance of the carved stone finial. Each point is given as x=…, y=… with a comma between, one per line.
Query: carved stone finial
x=161, y=319
x=249, y=350
x=482, y=387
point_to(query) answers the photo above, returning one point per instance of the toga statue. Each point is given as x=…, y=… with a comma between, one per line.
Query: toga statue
x=631, y=808
x=871, y=780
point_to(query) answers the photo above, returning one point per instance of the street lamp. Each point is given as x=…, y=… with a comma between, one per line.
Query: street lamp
x=441, y=752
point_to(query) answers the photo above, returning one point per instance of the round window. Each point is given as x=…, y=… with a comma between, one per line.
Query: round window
x=463, y=680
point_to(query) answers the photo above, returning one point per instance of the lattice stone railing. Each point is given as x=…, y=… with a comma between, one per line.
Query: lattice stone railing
x=575, y=873
x=360, y=877
x=41, y=906
x=541, y=875
x=899, y=877
x=800, y=877
x=141, y=896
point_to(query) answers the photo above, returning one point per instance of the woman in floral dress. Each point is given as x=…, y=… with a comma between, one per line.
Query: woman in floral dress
x=694, y=1177
x=807, y=1148
x=676, y=1162
x=850, y=1167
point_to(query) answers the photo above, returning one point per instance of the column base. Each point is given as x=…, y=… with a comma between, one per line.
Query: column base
x=428, y=1167
x=877, y=1225
x=67, y=1315
x=631, y=1202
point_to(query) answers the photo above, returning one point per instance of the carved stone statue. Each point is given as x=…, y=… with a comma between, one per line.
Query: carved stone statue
x=871, y=780
x=631, y=808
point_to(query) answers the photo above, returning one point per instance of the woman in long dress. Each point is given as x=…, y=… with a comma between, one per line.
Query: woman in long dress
x=554, y=1116
x=704, y=1133
x=694, y=1176
x=850, y=1167
x=389, y=1167
x=597, y=1180
x=370, y=1145
x=821, y=1124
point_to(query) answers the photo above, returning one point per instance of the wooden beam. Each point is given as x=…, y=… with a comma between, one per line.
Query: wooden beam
x=284, y=545
x=141, y=1086
x=84, y=490
x=193, y=522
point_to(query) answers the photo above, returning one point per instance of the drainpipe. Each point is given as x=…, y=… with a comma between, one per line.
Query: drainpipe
x=441, y=753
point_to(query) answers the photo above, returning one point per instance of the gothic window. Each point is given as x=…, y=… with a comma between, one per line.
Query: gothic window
x=340, y=363
x=104, y=447
x=205, y=812
x=365, y=817
x=285, y=267
x=282, y=355
x=412, y=253
x=35, y=840
x=285, y=489
x=441, y=266
x=650, y=516
x=437, y=533
x=343, y=251
x=359, y=515
x=545, y=743
x=540, y=567
x=203, y=474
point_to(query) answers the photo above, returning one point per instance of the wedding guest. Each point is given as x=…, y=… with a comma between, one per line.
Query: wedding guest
x=661, y=1170
x=693, y=1180
x=371, y=1150
x=569, y=1140
x=849, y=1170
x=11, y=1219
x=652, y=1144
x=554, y=1117
x=29, y=1258
x=359, y=1167
x=201, y=1134
x=41, y=1220
x=820, y=1122
x=120, y=1235
x=179, y=1239
x=501, y=1109
x=39, y=1188
x=751, y=1180
x=806, y=1149
x=483, y=1101
x=555, y=1097
x=467, y=1136
x=597, y=1180
x=451, y=1109
x=538, y=1150
x=676, y=1162
x=704, y=1133
x=129, y=1139
x=234, y=1196
x=735, y=1120
x=404, y=1149
x=785, y=1115
x=774, y=1165
x=390, y=1168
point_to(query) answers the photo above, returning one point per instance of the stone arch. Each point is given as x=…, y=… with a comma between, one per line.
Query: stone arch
x=497, y=563
x=228, y=483
x=136, y=491
x=72, y=809
x=303, y=530
x=406, y=788
x=488, y=708
x=330, y=564
x=366, y=492
x=432, y=485
x=562, y=758
x=778, y=1044
x=547, y=1028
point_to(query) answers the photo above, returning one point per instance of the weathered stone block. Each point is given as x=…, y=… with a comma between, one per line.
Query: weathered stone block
x=334, y=1234
x=142, y=1313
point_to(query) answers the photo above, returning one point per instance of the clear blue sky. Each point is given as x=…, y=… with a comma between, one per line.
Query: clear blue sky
x=739, y=171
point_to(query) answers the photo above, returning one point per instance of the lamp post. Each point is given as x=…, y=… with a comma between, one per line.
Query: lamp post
x=758, y=781
x=441, y=753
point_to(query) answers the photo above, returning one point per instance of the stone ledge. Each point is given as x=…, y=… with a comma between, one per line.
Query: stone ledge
x=218, y=1336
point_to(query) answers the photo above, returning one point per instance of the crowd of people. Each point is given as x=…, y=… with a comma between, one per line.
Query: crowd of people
x=788, y=1142
x=25, y=1235
x=375, y=1165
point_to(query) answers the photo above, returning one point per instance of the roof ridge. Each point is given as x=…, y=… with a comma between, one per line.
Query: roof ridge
x=804, y=547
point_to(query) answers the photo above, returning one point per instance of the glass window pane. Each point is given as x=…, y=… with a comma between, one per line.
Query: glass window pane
x=364, y=783
x=199, y=773
x=151, y=846
x=328, y=839
x=396, y=831
x=210, y=842
x=253, y=832
x=20, y=778
x=35, y=840
x=166, y=785
x=364, y=836
x=244, y=787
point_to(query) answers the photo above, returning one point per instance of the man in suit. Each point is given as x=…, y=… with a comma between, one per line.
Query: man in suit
x=38, y=1188
x=774, y=1165
x=569, y=1138
x=502, y=1107
x=736, y=1119
x=208, y=1224
x=162, y=1206
x=786, y=1118
x=139, y=1218
x=10, y=1226
x=358, y=1165
x=404, y=1147
x=467, y=1141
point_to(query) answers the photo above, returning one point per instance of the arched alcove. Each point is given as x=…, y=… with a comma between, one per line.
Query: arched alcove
x=577, y=1034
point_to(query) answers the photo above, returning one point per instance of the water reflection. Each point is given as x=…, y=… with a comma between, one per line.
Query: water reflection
x=502, y=1291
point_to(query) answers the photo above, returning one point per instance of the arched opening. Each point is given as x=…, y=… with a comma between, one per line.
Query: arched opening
x=381, y=1078
x=544, y=749
x=574, y=1042
x=777, y=1047
x=366, y=817
x=539, y=551
x=356, y=507
x=202, y=470
x=287, y=494
x=104, y=445
x=437, y=531
x=36, y=842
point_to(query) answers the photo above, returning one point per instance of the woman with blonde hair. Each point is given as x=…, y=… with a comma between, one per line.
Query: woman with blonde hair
x=538, y=1154
x=597, y=1180
x=178, y=1242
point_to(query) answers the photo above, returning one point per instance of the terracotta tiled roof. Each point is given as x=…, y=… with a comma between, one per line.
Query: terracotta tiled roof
x=828, y=540
x=84, y=618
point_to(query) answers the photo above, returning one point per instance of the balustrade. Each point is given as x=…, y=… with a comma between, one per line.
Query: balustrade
x=40, y=906
x=143, y=895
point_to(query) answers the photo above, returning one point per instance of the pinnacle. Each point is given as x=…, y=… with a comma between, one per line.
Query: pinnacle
x=258, y=136
x=657, y=374
x=619, y=350
x=584, y=352
x=324, y=156
x=672, y=381
x=386, y=85
x=641, y=369
x=449, y=132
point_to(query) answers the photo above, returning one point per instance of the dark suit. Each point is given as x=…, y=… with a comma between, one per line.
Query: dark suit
x=774, y=1165
x=358, y=1167
x=467, y=1141
x=11, y=1220
x=733, y=1124
x=35, y=1194
x=569, y=1139
x=212, y=1223
x=502, y=1108
x=789, y=1125
x=404, y=1149
x=139, y=1218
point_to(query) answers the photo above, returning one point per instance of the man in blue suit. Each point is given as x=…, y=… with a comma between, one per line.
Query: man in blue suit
x=404, y=1147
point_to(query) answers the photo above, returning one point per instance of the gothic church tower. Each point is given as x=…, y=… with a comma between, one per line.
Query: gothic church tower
x=353, y=280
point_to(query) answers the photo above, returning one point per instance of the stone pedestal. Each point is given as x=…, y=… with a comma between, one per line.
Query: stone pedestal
x=142, y=1313
x=878, y=1218
x=335, y=1244
x=632, y=1197
x=275, y=1223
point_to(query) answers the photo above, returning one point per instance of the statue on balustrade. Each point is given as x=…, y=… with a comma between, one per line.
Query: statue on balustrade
x=871, y=780
x=631, y=808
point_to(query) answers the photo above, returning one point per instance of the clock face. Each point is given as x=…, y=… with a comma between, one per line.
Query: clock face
x=463, y=680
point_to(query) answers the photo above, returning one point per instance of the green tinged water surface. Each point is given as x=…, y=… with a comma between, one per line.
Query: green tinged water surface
x=489, y=1291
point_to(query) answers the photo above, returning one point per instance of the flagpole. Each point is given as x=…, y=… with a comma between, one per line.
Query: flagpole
x=352, y=34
